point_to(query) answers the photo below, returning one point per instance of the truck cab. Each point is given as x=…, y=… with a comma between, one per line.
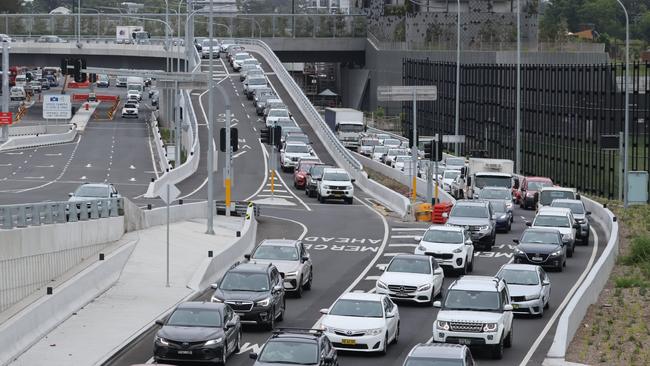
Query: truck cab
x=480, y=173
x=347, y=124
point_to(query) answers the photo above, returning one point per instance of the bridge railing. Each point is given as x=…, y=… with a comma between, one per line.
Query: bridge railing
x=44, y=213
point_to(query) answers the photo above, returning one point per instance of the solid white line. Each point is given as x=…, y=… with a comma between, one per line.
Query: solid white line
x=372, y=290
x=371, y=278
x=404, y=236
x=238, y=154
x=404, y=245
x=293, y=194
x=393, y=254
x=270, y=195
x=266, y=170
x=304, y=227
x=567, y=298
x=408, y=229
x=276, y=190
x=372, y=262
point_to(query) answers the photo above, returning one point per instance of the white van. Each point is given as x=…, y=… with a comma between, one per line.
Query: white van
x=21, y=80
x=546, y=196
x=17, y=93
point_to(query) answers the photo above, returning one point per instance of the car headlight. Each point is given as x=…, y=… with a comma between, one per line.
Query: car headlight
x=324, y=328
x=264, y=302
x=291, y=274
x=162, y=341
x=566, y=237
x=457, y=250
x=490, y=327
x=484, y=228
x=382, y=285
x=215, y=299
x=532, y=297
x=373, y=332
x=556, y=253
x=326, y=187
x=518, y=251
x=424, y=287
x=442, y=325
x=422, y=248
x=509, y=205
x=213, y=342
x=530, y=194
x=503, y=217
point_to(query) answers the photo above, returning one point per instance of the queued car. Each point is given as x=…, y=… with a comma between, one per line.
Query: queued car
x=448, y=177
x=361, y=322
x=313, y=175
x=335, y=183
x=103, y=81
x=560, y=219
x=542, y=247
x=296, y=346
x=498, y=194
x=525, y=196
x=275, y=115
x=411, y=277
x=290, y=258
x=199, y=332
x=291, y=154
x=478, y=218
x=17, y=93
x=580, y=214
x=367, y=144
x=238, y=59
x=547, y=195
x=88, y=192
x=451, y=246
x=503, y=216
x=130, y=109
x=529, y=287
x=378, y=152
x=206, y=48
x=260, y=100
x=439, y=354
x=301, y=171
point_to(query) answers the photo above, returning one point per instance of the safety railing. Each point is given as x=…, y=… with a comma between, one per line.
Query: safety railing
x=35, y=214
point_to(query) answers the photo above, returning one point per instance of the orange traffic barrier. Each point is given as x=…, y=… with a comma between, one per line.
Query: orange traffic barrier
x=438, y=210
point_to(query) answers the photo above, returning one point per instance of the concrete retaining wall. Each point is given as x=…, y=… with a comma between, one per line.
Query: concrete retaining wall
x=590, y=289
x=24, y=329
x=41, y=129
x=20, y=142
x=160, y=146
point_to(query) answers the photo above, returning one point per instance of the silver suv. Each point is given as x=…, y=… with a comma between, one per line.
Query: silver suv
x=478, y=218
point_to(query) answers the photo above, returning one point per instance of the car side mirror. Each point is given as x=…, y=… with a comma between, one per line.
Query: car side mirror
x=438, y=271
x=352, y=180
x=305, y=258
x=445, y=215
x=70, y=194
x=546, y=283
x=281, y=151
x=437, y=304
x=253, y=355
x=516, y=241
x=516, y=183
x=469, y=242
x=214, y=286
x=588, y=213
x=277, y=288
x=390, y=315
x=507, y=307
x=494, y=216
x=578, y=196
x=417, y=238
x=230, y=324
x=528, y=223
x=247, y=256
x=324, y=311
x=160, y=322
x=576, y=226
x=536, y=197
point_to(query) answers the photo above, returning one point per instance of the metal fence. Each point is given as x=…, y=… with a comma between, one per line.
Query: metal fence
x=565, y=110
x=35, y=214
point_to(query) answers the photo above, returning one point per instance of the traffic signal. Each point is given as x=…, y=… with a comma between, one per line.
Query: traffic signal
x=428, y=150
x=234, y=140
x=80, y=64
x=276, y=135
x=92, y=78
x=265, y=135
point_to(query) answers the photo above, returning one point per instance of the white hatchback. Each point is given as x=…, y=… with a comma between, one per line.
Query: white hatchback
x=361, y=322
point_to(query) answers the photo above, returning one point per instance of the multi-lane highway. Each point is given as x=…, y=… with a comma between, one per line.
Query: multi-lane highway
x=350, y=245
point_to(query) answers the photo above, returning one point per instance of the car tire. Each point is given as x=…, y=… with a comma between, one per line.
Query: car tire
x=298, y=291
x=349, y=201
x=470, y=267
x=541, y=312
x=548, y=304
x=384, y=350
x=396, y=338
x=307, y=192
x=507, y=343
x=284, y=308
x=238, y=344
x=463, y=271
x=321, y=199
x=569, y=252
x=271, y=323
x=560, y=268
x=224, y=356
x=497, y=351
x=307, y=286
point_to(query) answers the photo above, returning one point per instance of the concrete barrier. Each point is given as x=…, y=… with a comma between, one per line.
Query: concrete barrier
x=20, y=142
x=83, y=115
x=389, y=198
x=160, y=145
x=27, y=327
x=186, y=211
x=590, y=289
x=40, y=129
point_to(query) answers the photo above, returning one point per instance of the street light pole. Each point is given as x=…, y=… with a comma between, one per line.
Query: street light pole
x=210, y=127
x=627, y=107
x=78, y=22
x=457, y=124
x=518, y=168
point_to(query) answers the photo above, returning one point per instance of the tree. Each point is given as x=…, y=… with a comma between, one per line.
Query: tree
x=9, y=6
x=642, y=28
x=606, y=15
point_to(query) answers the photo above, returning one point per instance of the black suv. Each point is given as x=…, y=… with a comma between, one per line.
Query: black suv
x=314, y=173
x=198, y=332
x=291, y=346
x=254, y=291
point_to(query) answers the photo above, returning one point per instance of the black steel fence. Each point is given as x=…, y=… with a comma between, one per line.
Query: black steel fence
x=565, y=109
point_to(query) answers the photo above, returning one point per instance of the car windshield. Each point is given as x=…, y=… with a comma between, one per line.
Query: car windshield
x=241, y=57
x=519, y=277
x=455, y=161
x=493, y=181
x=336, y=176
x=195, y=318
x=392, y=142
x=280, y=351
x=129, y=106
x=395, y=152
x=472, y=300
x=499, y=206
x=305, y=166
x=235, y=281
x=285, y=122
x=298, y=149
x=380, y=150
x=547, y=197
x=257, y=81
x=537, y=186
x=369, y=142
x=538, y=237
x=470, y=211
x=206, y=43
x=86, y=191
x=576, y=207
x=290, y=129
x=433, y=361
x=495, y=194
x=316, y=171
x=409, y=265
x=450, y=174
x=255, y=73
x=351, y=128
x=402, y=158
x=551, y=221
x=278, y=252
x=357, y=308
x=278, y=113
x=443, y=236
x=298, y=138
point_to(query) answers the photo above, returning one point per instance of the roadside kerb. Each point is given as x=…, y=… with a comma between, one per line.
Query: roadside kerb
x=38, y=129
x=587, y=294
x=27, y=327
x=83, y=115
x=160, y=146
x=20, y=142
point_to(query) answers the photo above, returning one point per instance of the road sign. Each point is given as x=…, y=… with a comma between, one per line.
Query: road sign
x=405, y=93
x=6, y=118
x=173, y=193
x=57, y=106
x=610, y=142
x=452, y=139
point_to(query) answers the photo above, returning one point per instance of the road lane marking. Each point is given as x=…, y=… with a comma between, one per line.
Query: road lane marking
x=304, y=227
x=43, y=166
x=404, y=245
x=404, y=236
x=372, y=278
x=408, y=229
x=567, y=298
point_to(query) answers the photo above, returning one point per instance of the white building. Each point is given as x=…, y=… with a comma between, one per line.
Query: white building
x=330, y=6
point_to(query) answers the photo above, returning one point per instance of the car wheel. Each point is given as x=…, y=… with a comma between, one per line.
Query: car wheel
x=463, y=271
x=509, y=227
x=470, y=268
x=508, y=341
x=271, y=323
x=321, y=199
x=385, y=349
x=299, y=288
x=560, y=267
x=307, y=192
x=396, y=338
x=307, y=285
x=547, y=305
x=541, y=312
x=284, y=307
x=497, y=351
x=569, y=252
x=224, y=355
x=349, y=200
x=238, y=344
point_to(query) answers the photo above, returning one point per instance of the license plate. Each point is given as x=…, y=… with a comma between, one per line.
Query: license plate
x=401, y=295
x=337, y=195
x=349, y=342
x=515, y=306
x=537, y=258
x=184, y=352
x=465, y=341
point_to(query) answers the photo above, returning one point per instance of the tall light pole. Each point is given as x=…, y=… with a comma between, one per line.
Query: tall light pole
x=457, y=124
x=518, y=168
x=78, y=23
x=627, y=106
x=210, y=127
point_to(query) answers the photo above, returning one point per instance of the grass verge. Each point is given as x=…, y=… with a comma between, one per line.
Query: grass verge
x=616, y=329
x=388, y=182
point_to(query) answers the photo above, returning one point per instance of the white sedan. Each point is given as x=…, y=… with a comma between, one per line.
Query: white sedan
x=529, y=287
x=411, y=277
x=361, y=322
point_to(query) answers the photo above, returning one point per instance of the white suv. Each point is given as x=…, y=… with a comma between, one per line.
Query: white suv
x=451, y=246
x=411, y=277
x=130, y=110
x=291, y=154
x=335, y=183
x=562, y=220
x=476, y=310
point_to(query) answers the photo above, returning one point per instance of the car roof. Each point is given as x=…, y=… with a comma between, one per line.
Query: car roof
x=553, y=211
x=335, y=170
x=493, y=188
x=361, y=296
x=541, y=230
x=249, y=267
x=412, y=256
x=555, y=188
x=296, y=143
x=538, y=179
x=566, y=200
x=520, y=266
x=280, y=242
x=201, y=305
x=439, y=350
x=100, y=185
x=478, y=203
x=476, y=283
x=494, y=174
x=445, y=228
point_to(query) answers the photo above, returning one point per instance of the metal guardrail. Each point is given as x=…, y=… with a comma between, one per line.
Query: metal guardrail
x=36, y=214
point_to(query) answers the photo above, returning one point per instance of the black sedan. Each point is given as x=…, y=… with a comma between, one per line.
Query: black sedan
x=543, y=247
x=198, y=332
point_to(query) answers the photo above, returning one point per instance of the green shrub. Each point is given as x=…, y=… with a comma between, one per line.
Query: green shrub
x=639, y=252
x=629, y=281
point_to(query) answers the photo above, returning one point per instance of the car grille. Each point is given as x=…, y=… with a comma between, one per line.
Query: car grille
x=185, y=344
x=294, y=159
x=474, y=228
x=518, y=298
x=465, y=326
x=338, y=188
x=543, y=256
x=400, y=288
x=349, y=333
x=240, y=305
x=348, y=346
x=440, y=255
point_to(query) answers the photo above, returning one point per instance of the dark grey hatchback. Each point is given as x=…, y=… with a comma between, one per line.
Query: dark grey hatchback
x=294, y=346
x=198, y=332
x=543, y=247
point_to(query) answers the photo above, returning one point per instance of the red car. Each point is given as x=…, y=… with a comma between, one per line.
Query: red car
x=525, y=196
x=300, y=173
